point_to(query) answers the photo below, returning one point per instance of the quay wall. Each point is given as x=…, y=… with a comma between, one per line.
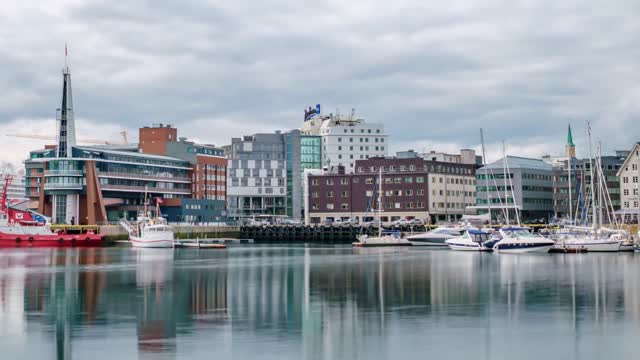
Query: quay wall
x=117, y=232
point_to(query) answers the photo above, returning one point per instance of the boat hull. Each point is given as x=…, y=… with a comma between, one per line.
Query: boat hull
x=608, y=246
x=54, y=240
x=519, y=248
x=464, y=247
x=428, y=241
x=150, y=243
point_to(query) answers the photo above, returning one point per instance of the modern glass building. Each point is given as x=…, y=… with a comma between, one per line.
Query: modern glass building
x=302, y=152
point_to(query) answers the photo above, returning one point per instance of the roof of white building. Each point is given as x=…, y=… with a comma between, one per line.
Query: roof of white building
x=516, y=162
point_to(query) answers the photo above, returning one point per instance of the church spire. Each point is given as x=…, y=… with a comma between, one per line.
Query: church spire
x=570, y=147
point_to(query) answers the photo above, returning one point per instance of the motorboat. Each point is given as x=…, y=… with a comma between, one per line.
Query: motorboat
x=438, y=236
x=382, y=239
x=472, y=240
x=152, y=233
x=517, y=240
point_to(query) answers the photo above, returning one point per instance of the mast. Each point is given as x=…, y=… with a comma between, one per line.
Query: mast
x=379, y=201
x=484, y=163
x=593, y=195
x=506, y=193
x=638, y=188
x=571, y=152
x=145, y=200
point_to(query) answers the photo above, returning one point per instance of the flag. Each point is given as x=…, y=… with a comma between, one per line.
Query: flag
x=159, y=200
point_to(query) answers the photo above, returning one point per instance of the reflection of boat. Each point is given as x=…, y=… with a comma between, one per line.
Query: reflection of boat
x=472, y=240
x=438, y=236
x=28, y=228
x=388, y=239
x=520, y=240
x=198, y=244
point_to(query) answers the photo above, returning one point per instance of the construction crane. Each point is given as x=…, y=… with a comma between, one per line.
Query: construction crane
x=86, y=141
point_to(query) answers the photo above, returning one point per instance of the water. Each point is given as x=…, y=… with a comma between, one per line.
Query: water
x=316, y=303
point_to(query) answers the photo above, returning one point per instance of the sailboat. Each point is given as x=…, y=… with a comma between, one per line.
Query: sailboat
x=595, y=238
x=382, y=239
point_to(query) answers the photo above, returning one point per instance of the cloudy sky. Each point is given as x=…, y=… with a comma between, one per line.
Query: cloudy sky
x=433, y=72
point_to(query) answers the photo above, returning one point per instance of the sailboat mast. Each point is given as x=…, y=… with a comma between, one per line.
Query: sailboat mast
x=379, y=201
x=145, y=200
x=484, y=164
x=506, y=192
x=593, y=194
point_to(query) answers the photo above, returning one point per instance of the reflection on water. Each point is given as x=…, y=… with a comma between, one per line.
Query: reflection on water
x=316, y=303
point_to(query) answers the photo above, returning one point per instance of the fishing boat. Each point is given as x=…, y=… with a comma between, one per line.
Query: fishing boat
x=26, y=228
x=383, y=238
x=518, y=240
x=438, y=236
x=150, y=231
x=472, y=240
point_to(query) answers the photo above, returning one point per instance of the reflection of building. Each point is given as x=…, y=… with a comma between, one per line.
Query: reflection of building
x=91, y=184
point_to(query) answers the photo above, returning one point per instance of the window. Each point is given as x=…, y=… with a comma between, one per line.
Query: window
x=420, y=204
x=314, y=194
x=403, y=168
x=369, y=181
x=419, y=179
x=330, y=194
x=329, y=206
x=397, y=180
x=344, y=194
x=344, y=206
x=412, y=168
x=397, y=205
x=329, y=181
x=420, y=192
x=626, y=192
x=339, y=139
x=409, y=192
x=408, y=180
x=344, y=181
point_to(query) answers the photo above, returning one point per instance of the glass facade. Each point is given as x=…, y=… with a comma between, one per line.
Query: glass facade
x=302, y=152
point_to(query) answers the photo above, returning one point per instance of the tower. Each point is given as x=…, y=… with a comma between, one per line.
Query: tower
x=66, y=133
x=570, y=147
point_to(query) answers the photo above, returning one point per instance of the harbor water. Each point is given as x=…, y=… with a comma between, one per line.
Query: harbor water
x=296, y=302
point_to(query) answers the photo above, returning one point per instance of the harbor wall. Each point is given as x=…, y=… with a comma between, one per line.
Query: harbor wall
x=117, y=232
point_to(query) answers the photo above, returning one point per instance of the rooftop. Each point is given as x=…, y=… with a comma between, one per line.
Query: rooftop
x=516, y=162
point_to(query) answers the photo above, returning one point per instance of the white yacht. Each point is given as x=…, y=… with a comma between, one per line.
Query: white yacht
x=587, y=240
x=517, y=240
x=472, y=240
x=438, y=236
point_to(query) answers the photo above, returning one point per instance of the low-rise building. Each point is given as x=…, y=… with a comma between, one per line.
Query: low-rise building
x=412, y=187
x=629, y=175
x=527, y=188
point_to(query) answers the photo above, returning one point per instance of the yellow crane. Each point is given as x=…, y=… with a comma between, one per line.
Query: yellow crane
x=86, y=141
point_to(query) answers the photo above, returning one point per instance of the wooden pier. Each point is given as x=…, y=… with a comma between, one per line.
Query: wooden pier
x=323, y=234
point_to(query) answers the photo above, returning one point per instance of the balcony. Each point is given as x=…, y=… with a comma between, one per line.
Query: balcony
x=133, y=176
x=62, y=187
x=141, y=189
x=63, y=173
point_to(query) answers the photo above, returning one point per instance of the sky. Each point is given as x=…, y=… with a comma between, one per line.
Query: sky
x=432, y=72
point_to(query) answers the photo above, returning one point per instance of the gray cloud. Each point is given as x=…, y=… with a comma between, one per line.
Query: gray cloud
x=433, y=72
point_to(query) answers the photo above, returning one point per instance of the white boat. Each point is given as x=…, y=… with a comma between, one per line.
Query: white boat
x=152, y=233
x=518, y=240
x=388, y=239
x=472, y=240
x=438, y=236
x=590, y=244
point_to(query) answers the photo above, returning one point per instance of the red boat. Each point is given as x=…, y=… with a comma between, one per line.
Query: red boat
x=26, y=228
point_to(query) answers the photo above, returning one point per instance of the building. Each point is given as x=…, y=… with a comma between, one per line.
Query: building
x=208, y=173
x=527, y=188
x=580, y=186
x=412, y=188
x=266, y=173
x=628, y=176
x=466, y=156
x=17, y=188
x=93, y=184
x=346, y=139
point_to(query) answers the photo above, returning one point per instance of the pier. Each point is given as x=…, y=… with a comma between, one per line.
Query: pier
x=323, y=234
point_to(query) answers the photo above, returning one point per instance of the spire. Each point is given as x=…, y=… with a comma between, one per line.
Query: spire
x=66, y=125
x=570, y=137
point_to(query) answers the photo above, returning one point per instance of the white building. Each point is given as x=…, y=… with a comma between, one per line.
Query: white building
x=347, y=139
x=466, y=156
x=629, y=173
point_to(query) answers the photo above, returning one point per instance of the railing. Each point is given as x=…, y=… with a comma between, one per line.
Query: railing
x=142, y=176
x=141, y=189
x=63, y=172
x=63, y=186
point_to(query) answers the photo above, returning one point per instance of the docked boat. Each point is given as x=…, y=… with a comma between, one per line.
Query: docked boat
x=472, y=240
x=150, y=232
x=438, y=236
x=25, y=228
x=517, y=240
x=382, y=239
